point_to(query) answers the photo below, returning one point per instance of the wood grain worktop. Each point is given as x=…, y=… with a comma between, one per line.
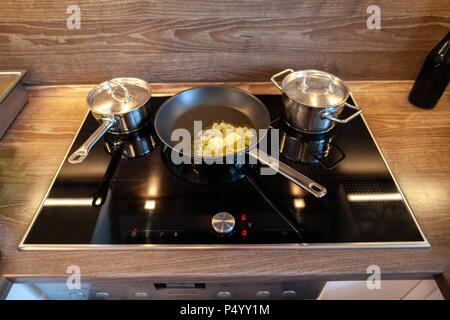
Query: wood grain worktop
x=227, y=40
x=415, y=142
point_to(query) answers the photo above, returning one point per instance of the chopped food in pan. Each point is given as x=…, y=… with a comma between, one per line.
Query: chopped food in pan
x=222, y=138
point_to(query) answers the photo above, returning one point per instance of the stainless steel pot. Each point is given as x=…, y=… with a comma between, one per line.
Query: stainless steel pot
x=120, y=105
x=313, y=100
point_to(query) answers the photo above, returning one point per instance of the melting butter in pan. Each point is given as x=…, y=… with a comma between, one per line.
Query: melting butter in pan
x=222, y=138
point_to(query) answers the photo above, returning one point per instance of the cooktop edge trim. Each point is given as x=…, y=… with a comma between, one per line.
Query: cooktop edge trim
x=119, y=247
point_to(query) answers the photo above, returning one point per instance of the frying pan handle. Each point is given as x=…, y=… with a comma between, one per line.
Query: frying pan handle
x=82, y=152
x=296, y=177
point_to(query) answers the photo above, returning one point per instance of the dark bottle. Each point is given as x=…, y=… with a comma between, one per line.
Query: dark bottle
x=433, y=77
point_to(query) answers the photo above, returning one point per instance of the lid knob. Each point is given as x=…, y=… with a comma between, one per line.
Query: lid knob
x=304, y=85
x=124, y=98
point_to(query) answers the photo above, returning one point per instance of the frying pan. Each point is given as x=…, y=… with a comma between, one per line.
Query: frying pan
x=213, y=103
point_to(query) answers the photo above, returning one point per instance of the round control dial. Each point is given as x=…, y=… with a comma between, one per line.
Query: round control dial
x=223, y=222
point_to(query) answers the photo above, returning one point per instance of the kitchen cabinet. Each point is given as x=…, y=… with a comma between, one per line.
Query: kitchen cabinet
x=332, y=290
x=56, y=289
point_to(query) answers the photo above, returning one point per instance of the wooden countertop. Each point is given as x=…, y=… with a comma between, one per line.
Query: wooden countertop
x=415, y=143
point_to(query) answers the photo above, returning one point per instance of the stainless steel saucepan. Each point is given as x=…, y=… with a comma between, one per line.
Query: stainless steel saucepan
x=313, y=100
x=121, y=106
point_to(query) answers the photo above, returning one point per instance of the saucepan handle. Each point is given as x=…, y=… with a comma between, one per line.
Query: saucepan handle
x=274, y=81
x=333, y=118
x=296, y=177
x=82, y=152
x=98, y=199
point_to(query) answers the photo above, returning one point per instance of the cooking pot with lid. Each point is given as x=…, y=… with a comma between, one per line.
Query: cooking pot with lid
x=121, y=106
x=313, y=100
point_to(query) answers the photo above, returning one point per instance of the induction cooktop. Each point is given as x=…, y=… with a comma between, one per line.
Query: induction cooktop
x=129, y=195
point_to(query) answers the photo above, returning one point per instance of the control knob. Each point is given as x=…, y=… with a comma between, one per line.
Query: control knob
x=223, y=222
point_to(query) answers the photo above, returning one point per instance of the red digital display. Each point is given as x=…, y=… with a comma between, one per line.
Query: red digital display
x=244, y=232
x=243, y=217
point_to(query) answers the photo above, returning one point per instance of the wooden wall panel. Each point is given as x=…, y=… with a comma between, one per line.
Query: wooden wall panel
x=201, y=40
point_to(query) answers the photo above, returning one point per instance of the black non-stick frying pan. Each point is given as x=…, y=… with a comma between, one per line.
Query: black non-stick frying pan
x=217, y=103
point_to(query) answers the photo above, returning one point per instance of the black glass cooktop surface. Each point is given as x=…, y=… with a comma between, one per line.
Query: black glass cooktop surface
x=128, y=194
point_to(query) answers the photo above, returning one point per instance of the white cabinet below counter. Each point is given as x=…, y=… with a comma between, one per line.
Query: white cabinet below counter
x=389, y=290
